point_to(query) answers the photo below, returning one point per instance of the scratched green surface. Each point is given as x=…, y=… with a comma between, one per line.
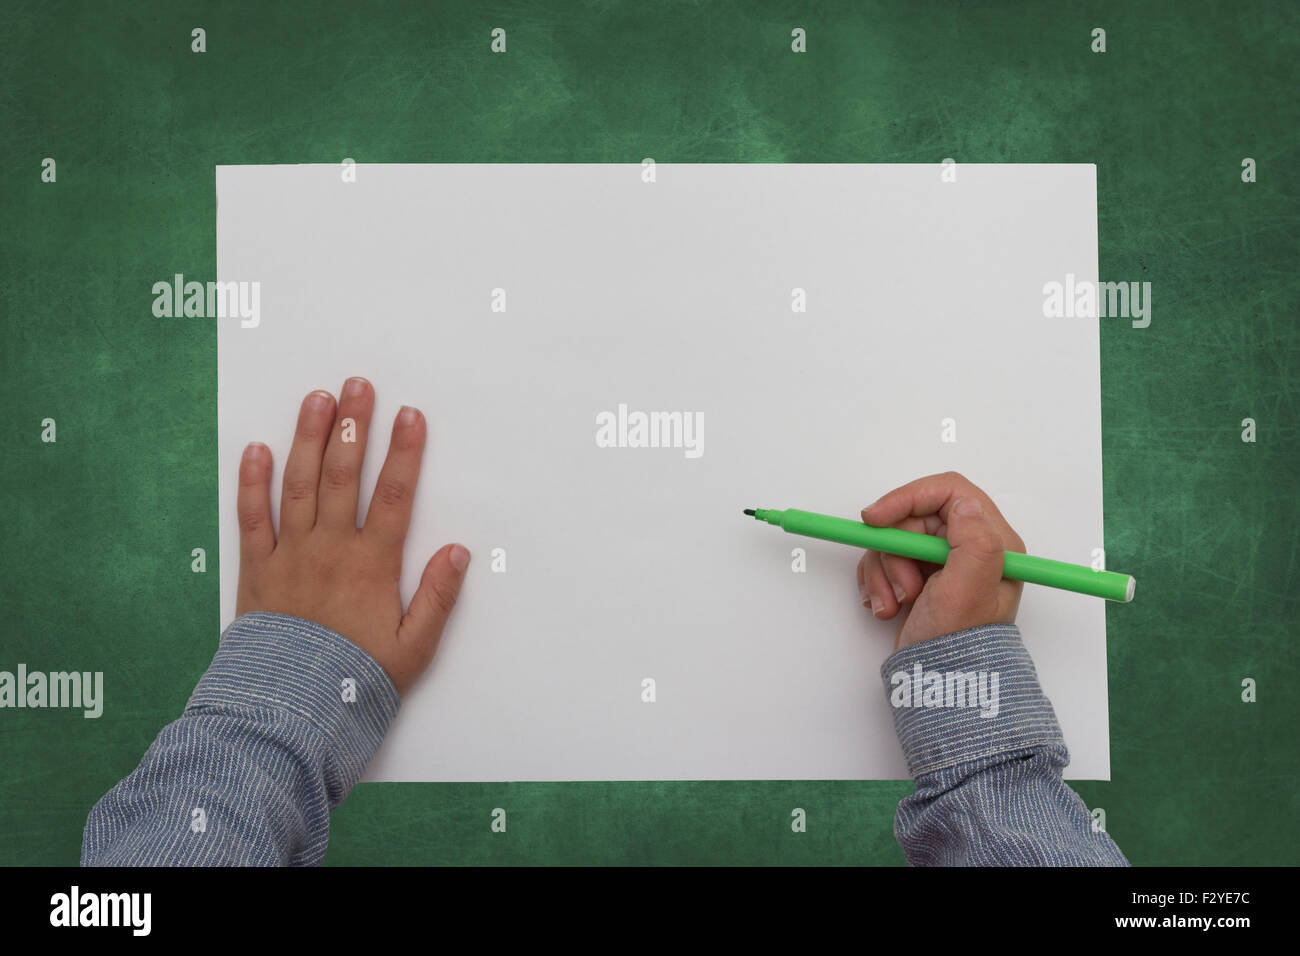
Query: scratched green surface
x=99, y=526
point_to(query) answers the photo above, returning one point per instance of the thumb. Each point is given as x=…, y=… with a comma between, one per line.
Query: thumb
x=422, y=626
x=974, y=567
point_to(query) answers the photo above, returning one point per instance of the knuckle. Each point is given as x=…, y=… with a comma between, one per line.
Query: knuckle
x=313, y=433
x=407, y=438
x=251, y=521
x=443, y=596
x=298, y=489
x=336, y=477
x=392, y=492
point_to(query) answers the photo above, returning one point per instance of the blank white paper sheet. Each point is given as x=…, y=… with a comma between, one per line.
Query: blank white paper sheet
x=833, y=328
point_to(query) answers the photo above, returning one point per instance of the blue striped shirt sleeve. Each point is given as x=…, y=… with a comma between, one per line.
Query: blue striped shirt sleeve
x=987, y=758
x=278, y=731
x=274, y=738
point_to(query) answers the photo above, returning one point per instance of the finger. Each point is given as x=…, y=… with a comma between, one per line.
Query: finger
x=930, y=495
x=422, y=627
x=302, y=470
x=253, y=504
x=884, y=604
x=973, y=571
x=340, y=473
x=904, y=574
x=863, y=593
x=390, y=507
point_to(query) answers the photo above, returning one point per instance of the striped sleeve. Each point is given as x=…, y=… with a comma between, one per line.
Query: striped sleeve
x=276, y=734
x=986, y=751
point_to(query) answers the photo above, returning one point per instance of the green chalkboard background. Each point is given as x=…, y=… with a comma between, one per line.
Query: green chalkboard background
x=98, y=527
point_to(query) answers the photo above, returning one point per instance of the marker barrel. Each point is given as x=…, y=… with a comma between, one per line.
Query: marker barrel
x=927, y=547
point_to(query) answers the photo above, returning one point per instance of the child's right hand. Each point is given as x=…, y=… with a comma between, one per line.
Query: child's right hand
x=935, y=600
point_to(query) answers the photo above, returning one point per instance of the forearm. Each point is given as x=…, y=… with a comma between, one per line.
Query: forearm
x=269, y=743
x=989, y=785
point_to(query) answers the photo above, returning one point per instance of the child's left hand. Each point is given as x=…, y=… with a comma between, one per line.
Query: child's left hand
x=323, y=567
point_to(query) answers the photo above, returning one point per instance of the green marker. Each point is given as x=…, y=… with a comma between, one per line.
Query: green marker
x=926, y=547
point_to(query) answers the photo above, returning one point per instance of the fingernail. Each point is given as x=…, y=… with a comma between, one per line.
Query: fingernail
x=318, y=401
x=899, y=593
x=254, y=451
x=407, y=415
x=459, y=558
x=354, y=387
x=968, y=506
x=877, y=606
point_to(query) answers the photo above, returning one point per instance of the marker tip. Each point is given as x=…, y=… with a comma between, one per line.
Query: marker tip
x=749, y=511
